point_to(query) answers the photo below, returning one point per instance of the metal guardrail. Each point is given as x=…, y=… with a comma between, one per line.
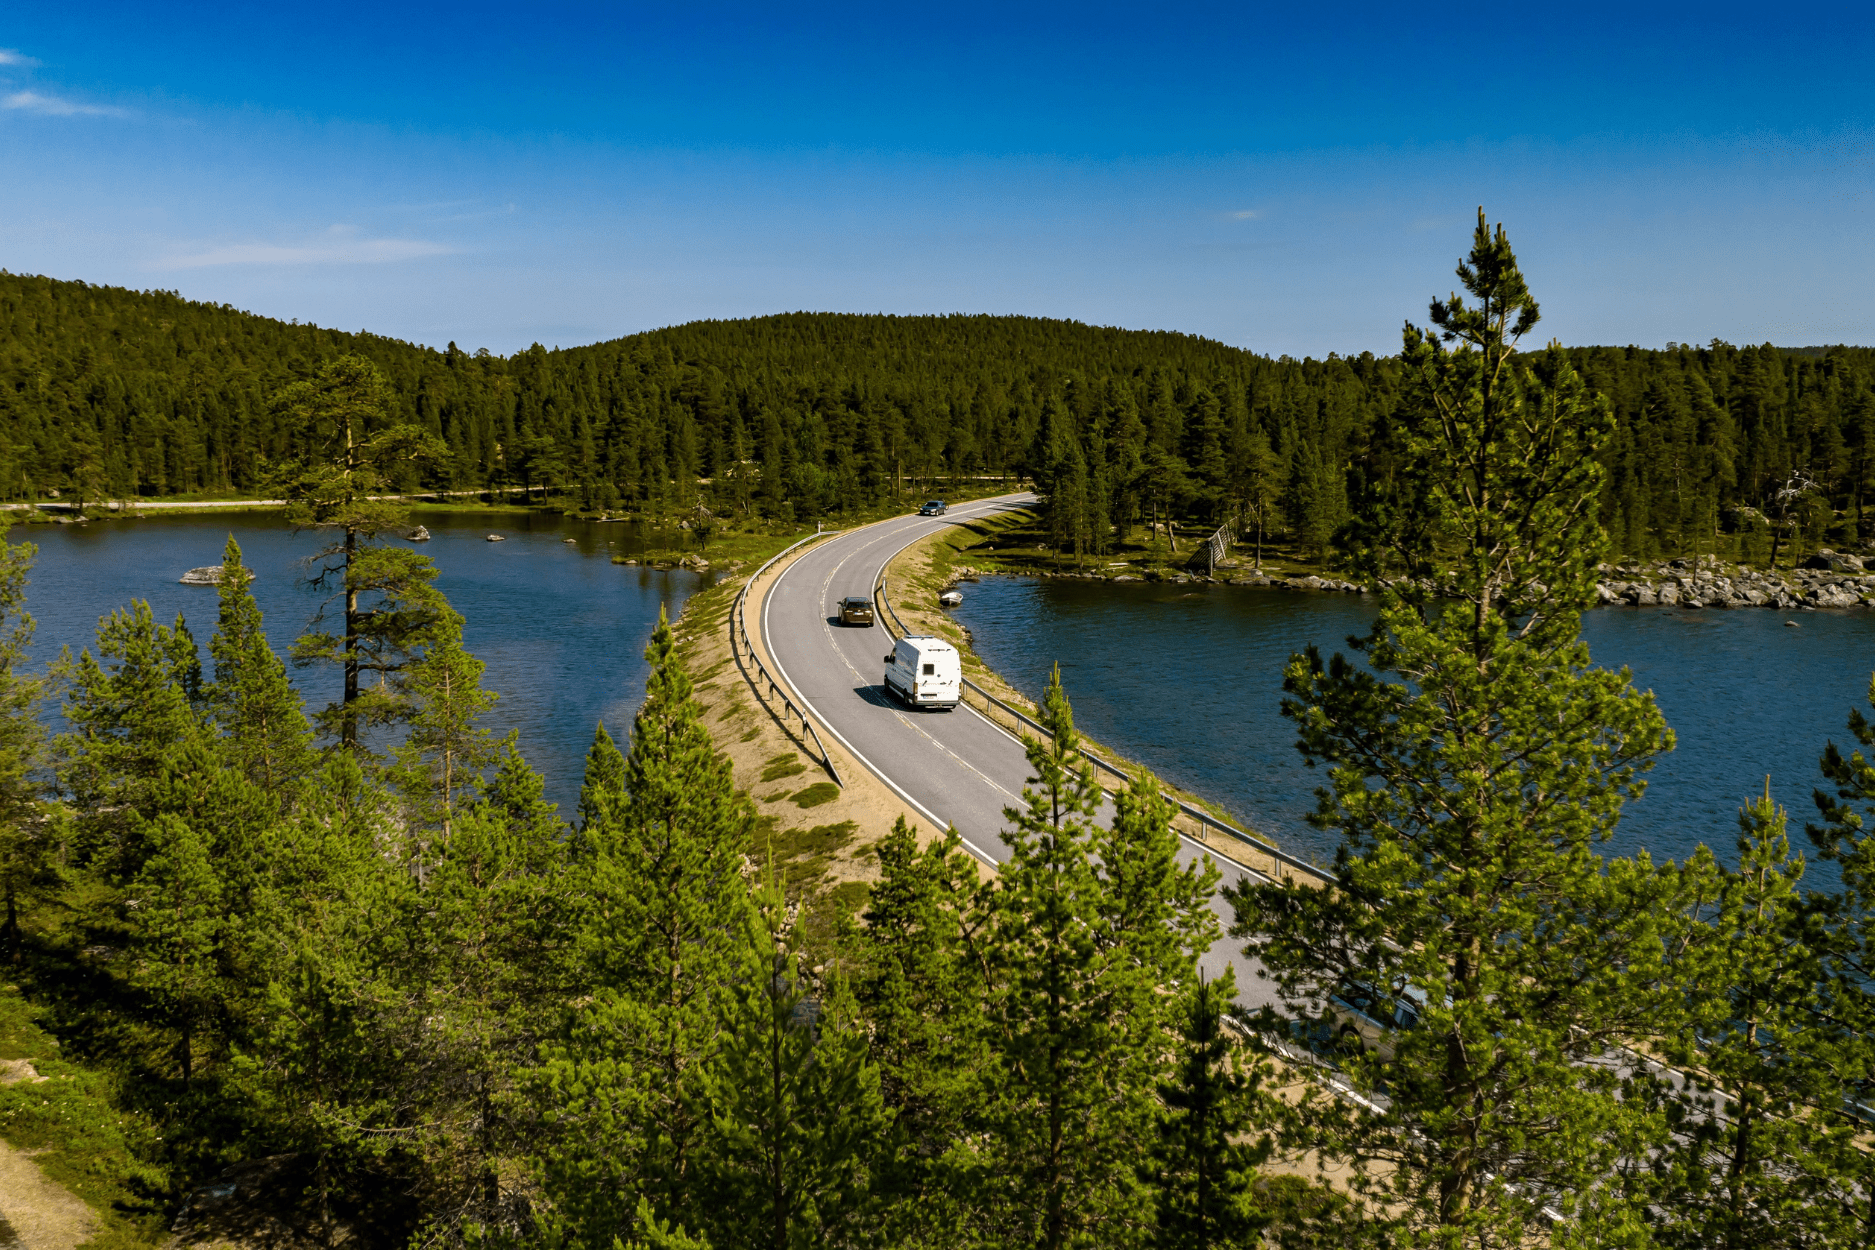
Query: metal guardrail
x=738, y=647
x=1205, y=819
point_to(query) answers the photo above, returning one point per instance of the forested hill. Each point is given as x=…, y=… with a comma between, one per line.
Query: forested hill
x=119, y=393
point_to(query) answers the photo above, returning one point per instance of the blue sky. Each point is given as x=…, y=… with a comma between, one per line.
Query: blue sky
x=1294, y=179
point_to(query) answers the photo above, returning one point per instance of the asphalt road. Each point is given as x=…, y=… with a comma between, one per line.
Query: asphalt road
x=952, y=768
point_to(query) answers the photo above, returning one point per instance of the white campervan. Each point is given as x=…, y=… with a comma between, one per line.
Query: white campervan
x=925, y=672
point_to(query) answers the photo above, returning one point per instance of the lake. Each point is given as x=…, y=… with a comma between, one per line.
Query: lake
x=561, y=628
x=1188, y=681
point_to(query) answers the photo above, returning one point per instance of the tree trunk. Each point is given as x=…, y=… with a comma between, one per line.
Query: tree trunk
x=348, y=727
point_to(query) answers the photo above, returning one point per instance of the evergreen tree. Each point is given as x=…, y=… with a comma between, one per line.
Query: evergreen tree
x=1756, y=1151
x=1841, y=836
x=356, y=455
x=1065, y=1110
x=1260, y=482
x=662, y=914
x=439, y=765
x=1469, y=797
x=260, y=716
x=794, y=1103
x=26, y=831
x=920, y=989
x=1204, y=1168
x=179, y=920
x=135, y=710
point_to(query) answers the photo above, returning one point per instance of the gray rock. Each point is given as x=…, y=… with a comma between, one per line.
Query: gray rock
x=209, y=576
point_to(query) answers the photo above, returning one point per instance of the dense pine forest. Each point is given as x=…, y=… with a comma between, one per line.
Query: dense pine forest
x=311, y=977
x=112, y=393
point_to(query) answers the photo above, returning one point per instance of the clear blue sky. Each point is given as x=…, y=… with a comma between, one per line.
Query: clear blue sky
x=1293, y=179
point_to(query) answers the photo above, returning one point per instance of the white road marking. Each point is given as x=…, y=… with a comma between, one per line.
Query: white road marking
x=937, y=821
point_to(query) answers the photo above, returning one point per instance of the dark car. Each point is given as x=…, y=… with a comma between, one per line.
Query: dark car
x=932, y=507
x=856, y=610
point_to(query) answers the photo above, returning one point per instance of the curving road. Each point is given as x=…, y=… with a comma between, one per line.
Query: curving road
x=952, y=768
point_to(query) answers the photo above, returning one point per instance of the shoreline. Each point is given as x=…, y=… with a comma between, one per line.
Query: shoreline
x=917, y=574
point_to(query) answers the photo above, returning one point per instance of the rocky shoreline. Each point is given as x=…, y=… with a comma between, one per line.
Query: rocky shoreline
x=1828, y=579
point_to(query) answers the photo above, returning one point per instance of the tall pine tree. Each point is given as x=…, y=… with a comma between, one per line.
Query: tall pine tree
x=1476, y=765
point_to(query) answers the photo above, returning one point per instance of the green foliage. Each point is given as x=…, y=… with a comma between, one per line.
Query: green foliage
x=794, y=1103
x=1758, y=1154
x=816, y=794
x=260, y=716
x=27, y=829
x=1081, y=932
x=787, y=764
x=662, y=914
x=1205, y=1165
x=1470, y=795
x=119, y=393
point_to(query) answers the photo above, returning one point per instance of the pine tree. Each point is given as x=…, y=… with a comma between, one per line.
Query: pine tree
x=920, y=990
x=261, y=718
x=1204, y=1169
x=602, y=792
x=446, y=749
x=1756, y=1151
x=662, y=913
x=179, y=921
x=356, y=456
x=1842, y=837
x=794, y=1103
x=1065, y=1110
x=1470, y=796
x=26, y=830
x=135, y=711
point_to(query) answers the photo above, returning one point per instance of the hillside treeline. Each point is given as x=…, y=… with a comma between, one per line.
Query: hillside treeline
x=115, y=393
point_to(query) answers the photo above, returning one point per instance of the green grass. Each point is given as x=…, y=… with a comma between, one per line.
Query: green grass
x=802, y=856
x=78, y=1136
x=787, y=764
x=816, y=794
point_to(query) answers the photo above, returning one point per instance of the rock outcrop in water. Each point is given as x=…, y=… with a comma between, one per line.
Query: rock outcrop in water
x=209, y=576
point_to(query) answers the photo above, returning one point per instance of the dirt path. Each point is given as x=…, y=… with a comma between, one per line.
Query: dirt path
x=35, y=1214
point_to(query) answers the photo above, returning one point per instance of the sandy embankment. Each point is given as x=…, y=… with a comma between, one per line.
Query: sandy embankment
x=753, y=730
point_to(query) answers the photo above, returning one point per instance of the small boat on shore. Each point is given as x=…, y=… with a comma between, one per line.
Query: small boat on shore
x=950, y=598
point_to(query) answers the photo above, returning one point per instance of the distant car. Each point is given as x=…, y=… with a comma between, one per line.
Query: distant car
x=933, y=507
x=1370, y=1017
x=856, y=610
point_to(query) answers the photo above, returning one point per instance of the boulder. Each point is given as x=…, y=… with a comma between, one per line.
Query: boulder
x=496, y=538
x=418, y=535
x=210, y=576
x=1833, y=562
x=15, y=1071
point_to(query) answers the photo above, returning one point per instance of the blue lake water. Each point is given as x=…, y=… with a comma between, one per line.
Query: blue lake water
x=560, y=627
x=1189, y=682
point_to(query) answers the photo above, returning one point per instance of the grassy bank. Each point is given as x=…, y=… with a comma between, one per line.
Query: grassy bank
x=72, y=1123
x=1022, y=546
